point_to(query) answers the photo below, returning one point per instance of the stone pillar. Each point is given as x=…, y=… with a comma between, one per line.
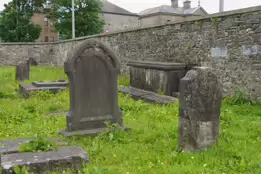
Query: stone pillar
x=22, y=71
x=200, y=103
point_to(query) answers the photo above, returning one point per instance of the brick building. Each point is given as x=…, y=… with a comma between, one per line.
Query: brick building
x=48, y=33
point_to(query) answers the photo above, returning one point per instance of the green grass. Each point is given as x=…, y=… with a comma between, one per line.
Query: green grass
x=151, y=145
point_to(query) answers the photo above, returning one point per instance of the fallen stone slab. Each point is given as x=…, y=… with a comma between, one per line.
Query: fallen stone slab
x=71, y=158
x=12, y=146
x=147, y=95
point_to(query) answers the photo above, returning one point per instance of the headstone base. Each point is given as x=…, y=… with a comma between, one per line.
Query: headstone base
x=90, y=132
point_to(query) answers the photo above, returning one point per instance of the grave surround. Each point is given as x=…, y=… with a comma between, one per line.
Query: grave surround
x=53, y=87
x=65, y=157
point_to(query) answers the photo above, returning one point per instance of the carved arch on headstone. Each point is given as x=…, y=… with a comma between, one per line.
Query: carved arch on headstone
x=91, y=44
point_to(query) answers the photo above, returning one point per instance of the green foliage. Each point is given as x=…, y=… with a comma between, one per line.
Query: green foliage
x=124, y=80
x=188, y=46
x=21, y=170
x=87, y=19
x=161, y=92
x=15, y=21
x=150, y=146
x=38, y=144
x=239, y=98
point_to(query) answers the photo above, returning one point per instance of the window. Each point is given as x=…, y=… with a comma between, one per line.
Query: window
x=51, y=39
x=45, y=22
x=46, y=39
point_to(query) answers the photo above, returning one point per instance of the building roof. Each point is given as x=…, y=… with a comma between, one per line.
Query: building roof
x=166, y=9
x=109, y=7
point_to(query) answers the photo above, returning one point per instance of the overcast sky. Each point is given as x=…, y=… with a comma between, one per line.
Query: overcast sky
x=211, y=6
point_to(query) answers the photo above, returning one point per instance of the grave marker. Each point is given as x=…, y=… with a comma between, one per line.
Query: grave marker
x=22, y=71
x=200, y=103
x=93, y=71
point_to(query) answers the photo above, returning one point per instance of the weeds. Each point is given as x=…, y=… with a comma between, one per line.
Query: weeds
x=151, y=144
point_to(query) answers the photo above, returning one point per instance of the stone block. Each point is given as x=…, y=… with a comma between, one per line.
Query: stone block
x=92, y=69
x=22, y=71
x=157, y=76
x=40, y=162
x=200, y=103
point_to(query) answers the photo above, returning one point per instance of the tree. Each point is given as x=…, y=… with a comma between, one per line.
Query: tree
x=15, y=21
x=87, y=17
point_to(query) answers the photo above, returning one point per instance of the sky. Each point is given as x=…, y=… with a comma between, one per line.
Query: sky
x=211, y=6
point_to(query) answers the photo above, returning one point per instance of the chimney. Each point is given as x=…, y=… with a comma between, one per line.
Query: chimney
x=186, y=4
x=175, y=3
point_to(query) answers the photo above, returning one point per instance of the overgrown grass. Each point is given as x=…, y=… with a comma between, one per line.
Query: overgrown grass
x=150, y=146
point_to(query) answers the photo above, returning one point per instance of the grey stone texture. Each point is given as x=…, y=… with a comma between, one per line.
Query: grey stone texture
x=22, y=71
x=71, y=157
x=53, y=87
x=200, y=104
x=12, y=146
x=229, y=42
x=138, y=94
x=92, y=69
x=157, y=77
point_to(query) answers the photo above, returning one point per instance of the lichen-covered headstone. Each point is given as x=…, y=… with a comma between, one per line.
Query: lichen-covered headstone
x=200, y=103
x=22, y=71
x=92, y=70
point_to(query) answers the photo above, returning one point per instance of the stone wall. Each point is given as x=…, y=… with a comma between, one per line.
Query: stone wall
x=229, y=42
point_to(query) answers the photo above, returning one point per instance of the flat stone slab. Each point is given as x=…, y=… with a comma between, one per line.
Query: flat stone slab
x=50, y=84
x=147, y=95
x=40, y=162
x=26, y=89
x=157, y=65
x=12, y=146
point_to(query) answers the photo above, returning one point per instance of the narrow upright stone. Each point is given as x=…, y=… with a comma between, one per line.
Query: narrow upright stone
x=200, y=103
x=92, y=70
x=22, y=71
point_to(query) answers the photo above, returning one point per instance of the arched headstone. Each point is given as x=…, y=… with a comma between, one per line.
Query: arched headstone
x=92, y=69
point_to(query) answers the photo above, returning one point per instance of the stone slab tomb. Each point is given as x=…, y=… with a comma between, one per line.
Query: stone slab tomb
x=200, y=104
x=62, y=159
x=158, y=77
x=53, y=87
x=22, y=71
x=93, y=70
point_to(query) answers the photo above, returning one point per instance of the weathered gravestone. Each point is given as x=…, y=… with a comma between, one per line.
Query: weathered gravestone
x=22, y=71
x=200, y=103
x=92, y=71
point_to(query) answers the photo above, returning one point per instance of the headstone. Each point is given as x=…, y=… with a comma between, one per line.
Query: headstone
x=32, y=62
x=92, y=70
x=200, y=103
x=23, y=71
